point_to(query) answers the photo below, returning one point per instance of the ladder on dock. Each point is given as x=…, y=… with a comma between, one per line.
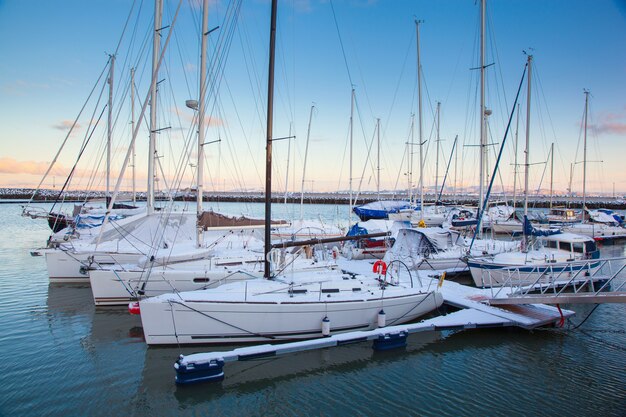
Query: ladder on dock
x=593, y=281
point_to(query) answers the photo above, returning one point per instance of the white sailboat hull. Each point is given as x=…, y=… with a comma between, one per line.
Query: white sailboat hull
x=597, y=231
x=67, y=267
x=173, y=321
x=506, y=227
x=111, y=288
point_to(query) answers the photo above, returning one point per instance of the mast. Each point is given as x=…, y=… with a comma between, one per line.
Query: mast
x=287, y=170
x=527, y=151
x=438, y=148
x=306, y=152
x=350, y=173
x=268, y=147
x=109, y=127
x=571, y=176
x=585, y=154
x=132, y=126
x=158, y=15
x=201, y=112
x=483, y=139
x=410, y=150
x=419, y=106
x=515, y=161
x=378, y=161
x=456, y=165
x=551, y=173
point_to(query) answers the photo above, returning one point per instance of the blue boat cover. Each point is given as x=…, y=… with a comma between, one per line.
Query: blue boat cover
x=529, y=230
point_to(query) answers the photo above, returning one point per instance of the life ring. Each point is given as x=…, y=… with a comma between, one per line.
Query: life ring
x=380, y=267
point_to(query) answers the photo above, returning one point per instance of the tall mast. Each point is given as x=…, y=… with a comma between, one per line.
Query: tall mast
x=551, y=173
x=410, y=150
x=287, y=170
x=438, y=149
x=527, y=151
x=483, y=138
x=156, y=44
x=132, y=125
x=419, y=107
x=378, y=161
x=515, y=161
x=571, y=176
x=456, y=165
x=109, y=127
x=585, y=154
x=268, y=147
x=306, y=153
x=201, y=113
x=351, y=143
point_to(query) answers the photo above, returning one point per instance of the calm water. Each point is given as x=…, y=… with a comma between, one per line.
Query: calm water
x=60, y=357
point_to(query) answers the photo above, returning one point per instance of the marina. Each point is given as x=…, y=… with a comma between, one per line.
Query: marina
x=164, y=261
x=63, y=354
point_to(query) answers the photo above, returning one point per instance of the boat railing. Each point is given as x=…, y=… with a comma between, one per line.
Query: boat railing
x=554, y=280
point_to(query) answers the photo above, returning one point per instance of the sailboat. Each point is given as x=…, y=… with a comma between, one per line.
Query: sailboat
x=439, y=248
x=285, y=306
x=215, y=250
x=596, y=225
x=549, y=254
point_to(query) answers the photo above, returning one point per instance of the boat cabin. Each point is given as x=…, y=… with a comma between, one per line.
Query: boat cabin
x=577, y=245
x=562, y=215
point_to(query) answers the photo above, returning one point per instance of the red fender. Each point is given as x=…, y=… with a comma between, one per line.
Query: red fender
x=133, y=308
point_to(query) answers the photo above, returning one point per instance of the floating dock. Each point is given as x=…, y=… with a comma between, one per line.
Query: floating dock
x=474, y=313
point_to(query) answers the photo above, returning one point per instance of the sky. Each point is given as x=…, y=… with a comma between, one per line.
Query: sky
x=54, y=53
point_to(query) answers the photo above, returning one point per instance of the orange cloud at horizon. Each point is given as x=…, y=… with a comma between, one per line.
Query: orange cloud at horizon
x=12, y=166
x=27, y=174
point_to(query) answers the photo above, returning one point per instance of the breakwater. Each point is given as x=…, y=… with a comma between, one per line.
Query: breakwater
x=341, y=197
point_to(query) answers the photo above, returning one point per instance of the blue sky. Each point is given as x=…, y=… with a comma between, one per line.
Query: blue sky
x=53, y=53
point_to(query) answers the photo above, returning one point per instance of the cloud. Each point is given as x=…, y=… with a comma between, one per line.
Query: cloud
x=11, y=166
x=611, y=128
x=66, y=125
x=14, y=168
x=612, y=123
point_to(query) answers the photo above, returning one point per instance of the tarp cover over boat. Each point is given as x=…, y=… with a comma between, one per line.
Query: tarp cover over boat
x=380, y=209
x=424, y=242
x=529, y=230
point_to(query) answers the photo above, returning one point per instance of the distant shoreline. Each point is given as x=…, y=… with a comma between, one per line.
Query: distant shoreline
x=23, y=195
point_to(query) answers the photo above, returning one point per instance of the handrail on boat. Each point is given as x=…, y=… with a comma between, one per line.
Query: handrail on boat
x=556, y=278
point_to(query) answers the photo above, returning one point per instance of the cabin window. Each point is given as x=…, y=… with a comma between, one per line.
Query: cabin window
x=566, y=246
x=590, y=247
x=551, y=244
x=578, y=247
